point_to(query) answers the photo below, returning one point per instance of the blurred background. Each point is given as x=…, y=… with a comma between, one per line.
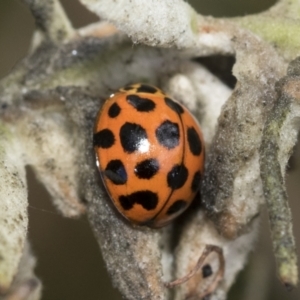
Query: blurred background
x=69, y=261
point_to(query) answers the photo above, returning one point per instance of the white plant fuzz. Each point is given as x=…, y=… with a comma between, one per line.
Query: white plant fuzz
x=247, y=185
x=53, y=158
x=13, y=207
x=152, y=22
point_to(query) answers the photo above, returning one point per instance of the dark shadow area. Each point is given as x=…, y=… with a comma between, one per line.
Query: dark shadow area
x=220, y=66
x=230, y=8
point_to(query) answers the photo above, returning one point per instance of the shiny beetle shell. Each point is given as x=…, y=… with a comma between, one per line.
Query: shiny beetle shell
x=150, y=154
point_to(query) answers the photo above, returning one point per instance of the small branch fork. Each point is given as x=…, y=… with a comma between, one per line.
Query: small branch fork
x=218, y=277
x=51, y=20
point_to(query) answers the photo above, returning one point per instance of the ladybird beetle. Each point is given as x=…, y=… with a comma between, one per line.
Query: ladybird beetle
x=149, y=150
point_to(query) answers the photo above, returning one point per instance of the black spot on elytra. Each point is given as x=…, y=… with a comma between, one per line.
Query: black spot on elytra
x=116, y=172
x=144, y=88
x=177, y=177
x=174, y=105
x=196, y=181
x=147, y=168
x=132, y=136
x=114, y=110
x=104, y=139
x=128, y=88
x=140, y=104
x=147, y=199
x=207, y=271
x=176, y=207
x=167, y=134
x=194, y=141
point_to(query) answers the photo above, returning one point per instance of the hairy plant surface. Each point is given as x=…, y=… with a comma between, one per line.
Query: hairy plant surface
x=48, y=105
